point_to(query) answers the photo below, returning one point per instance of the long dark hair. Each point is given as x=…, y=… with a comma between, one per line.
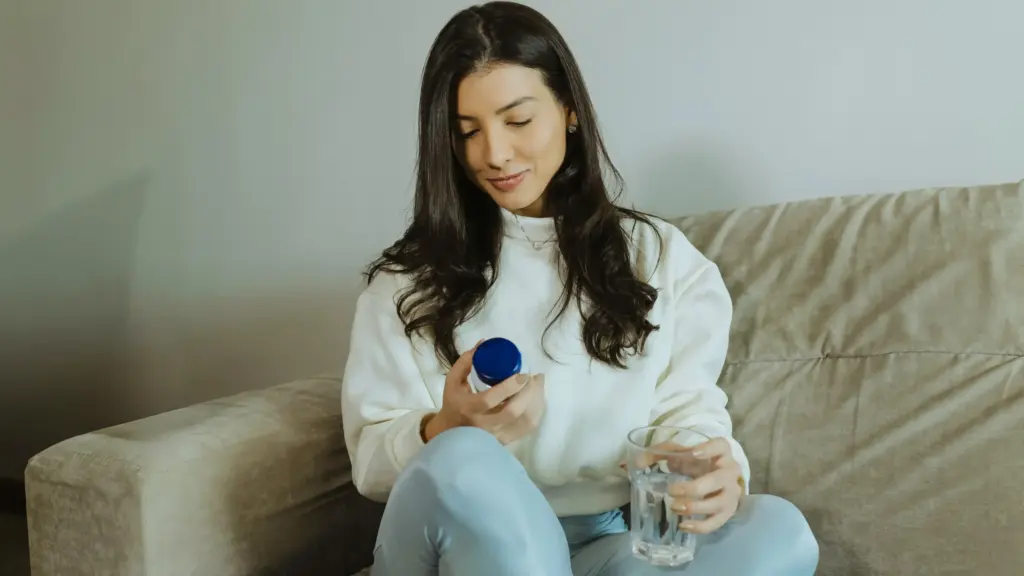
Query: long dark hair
x=450, y=251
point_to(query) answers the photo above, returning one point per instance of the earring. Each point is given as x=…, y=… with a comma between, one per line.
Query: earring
x=572, y=128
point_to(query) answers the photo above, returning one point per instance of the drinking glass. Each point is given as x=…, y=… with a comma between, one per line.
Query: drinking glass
x=658, y=457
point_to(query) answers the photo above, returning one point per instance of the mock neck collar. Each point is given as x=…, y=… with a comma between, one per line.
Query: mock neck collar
x=537, y=231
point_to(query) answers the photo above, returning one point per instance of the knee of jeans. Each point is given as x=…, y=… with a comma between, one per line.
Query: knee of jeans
x=448, y=458
x=460, y=468
x=790, y=528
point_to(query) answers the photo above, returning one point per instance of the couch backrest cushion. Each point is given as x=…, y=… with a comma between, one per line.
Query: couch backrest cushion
x=876, y=371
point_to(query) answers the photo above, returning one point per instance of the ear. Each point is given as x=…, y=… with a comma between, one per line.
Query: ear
x=571, y=121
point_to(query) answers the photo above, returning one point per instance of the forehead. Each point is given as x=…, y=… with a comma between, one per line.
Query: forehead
x=487, y=90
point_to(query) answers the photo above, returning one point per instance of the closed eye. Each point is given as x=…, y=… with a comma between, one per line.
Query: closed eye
x=471, y=133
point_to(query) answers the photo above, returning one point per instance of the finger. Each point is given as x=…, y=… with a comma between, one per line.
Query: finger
x=462, y=366
x=525, y=409
x=678, y=459
x=713, y=448
x=493, y=397
x=538, y=399
x=705, y=485
x=519, y=404
x=721, y=502
x=707, y=525
x=522, y=410
x=660, y=451
x=538, y=402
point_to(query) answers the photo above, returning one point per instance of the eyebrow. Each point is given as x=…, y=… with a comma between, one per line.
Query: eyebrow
x=504, y=108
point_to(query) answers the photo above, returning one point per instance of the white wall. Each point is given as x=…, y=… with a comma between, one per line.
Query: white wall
x=179, y=181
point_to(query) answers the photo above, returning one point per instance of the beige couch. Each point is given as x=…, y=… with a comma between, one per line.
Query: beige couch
x=876, y=376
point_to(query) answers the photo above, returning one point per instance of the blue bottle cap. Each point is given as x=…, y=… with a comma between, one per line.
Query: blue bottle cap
x=496, y=360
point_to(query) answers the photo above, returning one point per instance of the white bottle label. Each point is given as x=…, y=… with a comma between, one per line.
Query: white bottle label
x=479, y=386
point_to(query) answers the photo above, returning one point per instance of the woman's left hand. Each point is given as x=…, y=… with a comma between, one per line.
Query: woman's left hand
x=716, y=494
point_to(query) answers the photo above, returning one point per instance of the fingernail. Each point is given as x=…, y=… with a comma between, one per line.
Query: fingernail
x=522, y=379
x=687, y=526
x=699, y=453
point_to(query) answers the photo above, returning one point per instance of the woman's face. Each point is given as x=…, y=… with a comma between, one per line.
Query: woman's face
x=513, y=130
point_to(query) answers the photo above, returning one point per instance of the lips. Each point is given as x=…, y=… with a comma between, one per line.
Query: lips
x=508, y=183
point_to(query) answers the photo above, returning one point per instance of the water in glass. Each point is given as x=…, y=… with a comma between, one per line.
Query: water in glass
x=658, y=458
x=655, y=527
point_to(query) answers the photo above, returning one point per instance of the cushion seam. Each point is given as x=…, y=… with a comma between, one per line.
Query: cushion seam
x=1013, y=355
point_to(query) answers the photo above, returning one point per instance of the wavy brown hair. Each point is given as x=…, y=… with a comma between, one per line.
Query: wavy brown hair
x=450, y=250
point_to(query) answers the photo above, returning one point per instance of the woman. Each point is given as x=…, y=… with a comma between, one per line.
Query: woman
x=621, y=320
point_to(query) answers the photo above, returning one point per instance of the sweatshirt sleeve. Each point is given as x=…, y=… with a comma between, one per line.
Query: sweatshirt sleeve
x=688, y=395
x=383, y=394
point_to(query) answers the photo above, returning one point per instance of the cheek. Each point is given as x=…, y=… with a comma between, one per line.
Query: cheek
x=545, y=148
x=473, y=159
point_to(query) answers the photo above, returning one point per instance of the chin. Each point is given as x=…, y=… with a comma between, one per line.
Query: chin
x=514, y=201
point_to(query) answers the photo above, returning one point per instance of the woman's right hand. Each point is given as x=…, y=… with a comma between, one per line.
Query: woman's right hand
x=509, y=410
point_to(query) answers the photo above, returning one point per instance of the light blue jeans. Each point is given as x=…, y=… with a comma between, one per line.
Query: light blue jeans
x=466, y=507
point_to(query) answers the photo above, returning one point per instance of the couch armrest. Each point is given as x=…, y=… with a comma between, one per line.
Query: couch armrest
x=257, y=483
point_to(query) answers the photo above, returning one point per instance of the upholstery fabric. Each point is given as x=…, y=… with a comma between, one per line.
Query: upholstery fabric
x=876, y=381
x=876, y=374
x=256, y=483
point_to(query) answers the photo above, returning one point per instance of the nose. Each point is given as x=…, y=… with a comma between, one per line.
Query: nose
x=499, y=149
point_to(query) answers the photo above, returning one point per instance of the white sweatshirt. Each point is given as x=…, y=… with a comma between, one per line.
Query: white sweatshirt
x=392, y=382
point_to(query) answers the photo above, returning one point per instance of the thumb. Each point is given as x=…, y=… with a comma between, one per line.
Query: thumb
x=460, y=370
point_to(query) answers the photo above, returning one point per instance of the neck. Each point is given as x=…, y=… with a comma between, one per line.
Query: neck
x=534, y=210
x=536, y=231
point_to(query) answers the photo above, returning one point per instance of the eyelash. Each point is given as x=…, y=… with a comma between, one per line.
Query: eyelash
x=471, y=133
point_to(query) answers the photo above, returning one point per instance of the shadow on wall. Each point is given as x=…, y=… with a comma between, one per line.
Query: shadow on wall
x=239, y=341
x=64, y=303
